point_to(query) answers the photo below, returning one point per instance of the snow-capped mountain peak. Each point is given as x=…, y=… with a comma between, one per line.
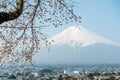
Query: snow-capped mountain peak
x=79, y=36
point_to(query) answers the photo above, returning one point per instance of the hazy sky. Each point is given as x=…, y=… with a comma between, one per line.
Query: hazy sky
x=99, y=16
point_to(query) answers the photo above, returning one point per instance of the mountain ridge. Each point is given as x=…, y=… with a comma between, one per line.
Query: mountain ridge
x=79, y=36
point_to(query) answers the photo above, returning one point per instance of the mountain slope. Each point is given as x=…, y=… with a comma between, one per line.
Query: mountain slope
x=79, y=36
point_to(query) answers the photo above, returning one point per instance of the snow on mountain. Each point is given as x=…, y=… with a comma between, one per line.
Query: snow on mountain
x=79, y=36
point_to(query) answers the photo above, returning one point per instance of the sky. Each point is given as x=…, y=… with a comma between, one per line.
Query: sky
x=99, y=16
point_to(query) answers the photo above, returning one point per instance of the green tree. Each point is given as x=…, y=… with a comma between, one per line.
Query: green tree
x=60, y=77
x=12, y=77
x=21, y=22
x=112, y=78
x=91, y=75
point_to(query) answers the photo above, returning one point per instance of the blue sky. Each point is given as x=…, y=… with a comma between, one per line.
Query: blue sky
x=99, y=16
x=102, y=17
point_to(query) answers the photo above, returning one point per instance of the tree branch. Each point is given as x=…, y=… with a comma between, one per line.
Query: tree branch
x=7, y=16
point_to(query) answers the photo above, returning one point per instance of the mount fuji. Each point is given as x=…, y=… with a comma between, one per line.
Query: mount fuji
x=79, y=36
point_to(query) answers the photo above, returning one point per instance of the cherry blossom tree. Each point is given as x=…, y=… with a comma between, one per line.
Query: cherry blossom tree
x=21, y=22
